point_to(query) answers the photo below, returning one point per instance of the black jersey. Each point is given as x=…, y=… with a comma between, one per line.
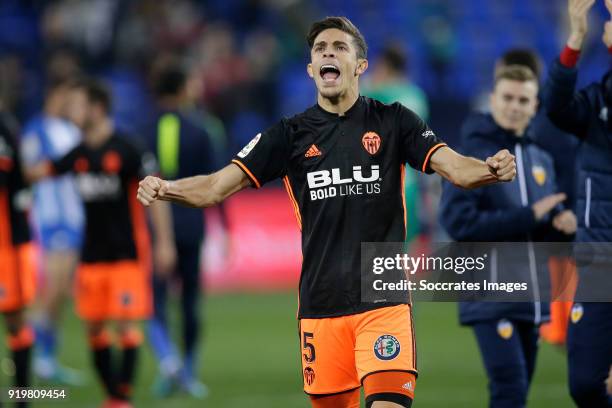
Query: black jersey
x=107, y=179
x=14, y=195
x=344, y=175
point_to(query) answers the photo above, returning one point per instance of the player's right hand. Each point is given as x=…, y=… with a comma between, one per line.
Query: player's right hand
x=151, y=188
x=578, y=11
x=502, y=165
x=544, y=205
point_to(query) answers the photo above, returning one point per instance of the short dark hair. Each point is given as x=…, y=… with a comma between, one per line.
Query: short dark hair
x=395, y=57
x=58, y=84
x=97, y=93
x=518, y=73
x=342, y=24
x=170, y=81
x=524, y=57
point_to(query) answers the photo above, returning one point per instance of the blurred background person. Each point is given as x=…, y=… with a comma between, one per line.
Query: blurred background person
x=562, y=148
x=183, y=149
x=525, y=210
x=389, y=82
x=57, y=219
x=545, y=133
x=17, y=252
x=113, y=280
x=583, y=112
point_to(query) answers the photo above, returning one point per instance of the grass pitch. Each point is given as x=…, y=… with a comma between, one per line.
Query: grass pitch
x=250, y=358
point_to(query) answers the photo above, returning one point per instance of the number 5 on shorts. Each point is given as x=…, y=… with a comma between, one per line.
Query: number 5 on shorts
x=310, y=356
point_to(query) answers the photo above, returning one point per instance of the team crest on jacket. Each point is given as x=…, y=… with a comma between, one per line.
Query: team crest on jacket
x=386, y=347
x=576, y=313
x=505, y=329
x=539, y=174
x=371, y=142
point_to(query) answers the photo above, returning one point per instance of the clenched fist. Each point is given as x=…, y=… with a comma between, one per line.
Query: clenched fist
x=150, y=189
x=502, y=165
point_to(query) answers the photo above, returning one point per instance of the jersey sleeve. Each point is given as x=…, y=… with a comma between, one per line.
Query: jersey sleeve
x=266, y=157
x=417, y=141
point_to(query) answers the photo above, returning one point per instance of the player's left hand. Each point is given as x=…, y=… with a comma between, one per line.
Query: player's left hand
x=502, y=165
x=565, y=222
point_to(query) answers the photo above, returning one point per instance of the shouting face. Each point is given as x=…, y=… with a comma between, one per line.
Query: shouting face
x=334, y=64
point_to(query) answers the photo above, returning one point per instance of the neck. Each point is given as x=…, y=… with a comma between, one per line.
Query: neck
x=515, y=132
x=341, y=103
x=98, y=133
x=170, y=102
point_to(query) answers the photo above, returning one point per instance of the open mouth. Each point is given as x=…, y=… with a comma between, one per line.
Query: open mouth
x=329, y=72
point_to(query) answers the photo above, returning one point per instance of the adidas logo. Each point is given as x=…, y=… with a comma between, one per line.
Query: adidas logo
x=408, y=386
x=313, y=151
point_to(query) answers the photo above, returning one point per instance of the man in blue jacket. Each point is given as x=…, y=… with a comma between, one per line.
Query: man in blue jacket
x=183, y=149
x=586, y=115
x=562, y=149
x=525, y=210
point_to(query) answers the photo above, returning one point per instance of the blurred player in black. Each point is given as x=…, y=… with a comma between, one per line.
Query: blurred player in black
x=17, y=273
x=113, y=280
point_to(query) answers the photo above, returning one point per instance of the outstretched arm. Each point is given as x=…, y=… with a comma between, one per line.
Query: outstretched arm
x=198, y=191
x=468, y=172
x=569, y=110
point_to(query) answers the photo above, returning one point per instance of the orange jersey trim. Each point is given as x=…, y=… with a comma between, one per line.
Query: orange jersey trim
x=6, y=164
x=429, y=153
x=23, y=339
x=248, y=172
x=101, y=340
x=5, y=219
x=296, y=207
